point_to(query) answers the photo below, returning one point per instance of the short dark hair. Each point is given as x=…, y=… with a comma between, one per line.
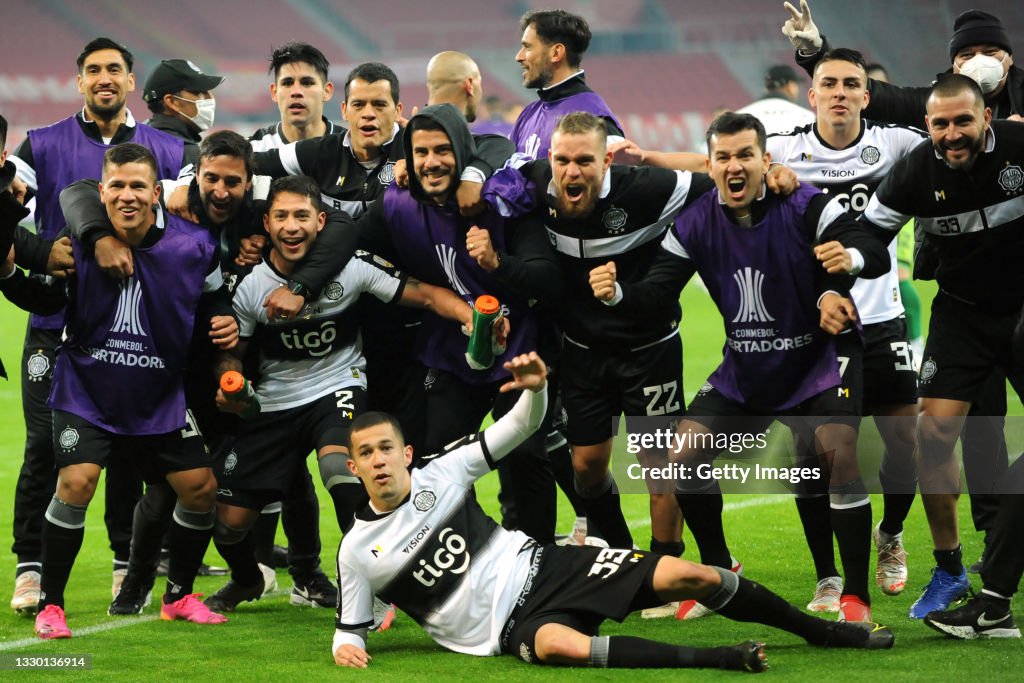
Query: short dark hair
x=731, y=123
x=290, y=53
x=227, y=143
x=843, y=54
x=296, y=184
x=425, y=123
x=102, y=43
x=3, y=133
x=558, y=26
x=130, y=153
x=951, y=85
x=371, y=72
x=373, y=418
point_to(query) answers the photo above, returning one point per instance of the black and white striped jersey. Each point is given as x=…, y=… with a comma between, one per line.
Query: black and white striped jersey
x=272, y=136
x=853, y=174
x=438, y=556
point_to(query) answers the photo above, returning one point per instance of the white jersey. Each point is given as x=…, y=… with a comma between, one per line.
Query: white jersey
x=437, y=556
x=319, y=351
x=852, y=174
x=778, y=115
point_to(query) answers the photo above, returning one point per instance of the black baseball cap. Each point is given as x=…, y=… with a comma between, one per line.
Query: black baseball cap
x=779, y=75
x=175, y=75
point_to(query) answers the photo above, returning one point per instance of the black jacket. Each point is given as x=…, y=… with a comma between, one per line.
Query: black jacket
x=172, y=125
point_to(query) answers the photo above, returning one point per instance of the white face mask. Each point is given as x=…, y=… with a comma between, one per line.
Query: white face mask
x=986, y=71
x=205, y=111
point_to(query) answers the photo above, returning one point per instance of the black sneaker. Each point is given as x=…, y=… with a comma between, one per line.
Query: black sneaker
x=231, y=594
x=135, y=594
x=317, y=591
x=979, y=618
x=748, y=656
x=864, y=635
x=977, y=566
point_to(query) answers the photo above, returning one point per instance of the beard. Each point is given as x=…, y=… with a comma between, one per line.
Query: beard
x=541, y=80
x=973, y=148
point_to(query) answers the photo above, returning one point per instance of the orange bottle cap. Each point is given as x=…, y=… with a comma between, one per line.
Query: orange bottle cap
x=231, y=382
x=487, y=304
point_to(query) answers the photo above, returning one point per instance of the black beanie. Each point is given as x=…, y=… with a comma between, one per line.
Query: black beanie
x=975, y=27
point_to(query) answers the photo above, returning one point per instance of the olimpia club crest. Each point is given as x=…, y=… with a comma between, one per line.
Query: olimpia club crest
x=614, y=219
x=387, y=173
x=870, y=155
x=1011, y=179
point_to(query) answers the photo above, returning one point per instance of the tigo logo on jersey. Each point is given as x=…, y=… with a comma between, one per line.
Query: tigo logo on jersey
x=127, y=317
x=752, y=309
x=452, y=552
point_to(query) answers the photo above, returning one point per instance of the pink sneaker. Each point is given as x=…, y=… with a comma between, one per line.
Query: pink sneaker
x=51, y=623
x=190, y=608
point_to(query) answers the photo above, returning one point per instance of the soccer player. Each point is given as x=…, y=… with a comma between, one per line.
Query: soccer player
x=312, y=380
x=421, y=230
x=754, y=253
x=957, y=189
x=118, y=386
x=48, y=160
x=551, y=51
x=595, y=211
x=980, y=48
x=226, y=198
x=847, y=157
x=424, y=543
x=300, y=89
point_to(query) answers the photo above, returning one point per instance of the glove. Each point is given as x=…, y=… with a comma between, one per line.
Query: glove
x=800, y=28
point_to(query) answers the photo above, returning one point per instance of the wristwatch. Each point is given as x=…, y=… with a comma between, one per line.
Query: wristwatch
x=298, y=289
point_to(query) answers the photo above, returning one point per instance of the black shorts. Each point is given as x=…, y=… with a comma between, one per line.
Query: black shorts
x=579, y=587
x=599, y=385
x=889, y=375
x=964, y=344
x=273, y=447
x=76, y=441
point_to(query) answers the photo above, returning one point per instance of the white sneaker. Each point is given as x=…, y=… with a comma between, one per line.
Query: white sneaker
x=115, y=585
x=269, y=579
x=826, y=595
x=596, y=542
x=25, y=600
x=891, y=570
x=660, y=612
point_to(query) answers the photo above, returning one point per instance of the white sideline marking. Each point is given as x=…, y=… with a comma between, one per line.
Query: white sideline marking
x=134, y=621
x=118, y=622
x=752, y=502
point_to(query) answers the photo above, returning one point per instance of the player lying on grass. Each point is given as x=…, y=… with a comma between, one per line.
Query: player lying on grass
x=424, y=544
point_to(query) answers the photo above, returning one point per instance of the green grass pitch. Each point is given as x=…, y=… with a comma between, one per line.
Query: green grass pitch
x=273, y=641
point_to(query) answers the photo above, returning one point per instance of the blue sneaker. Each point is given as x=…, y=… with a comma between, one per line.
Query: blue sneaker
x=943, y=590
